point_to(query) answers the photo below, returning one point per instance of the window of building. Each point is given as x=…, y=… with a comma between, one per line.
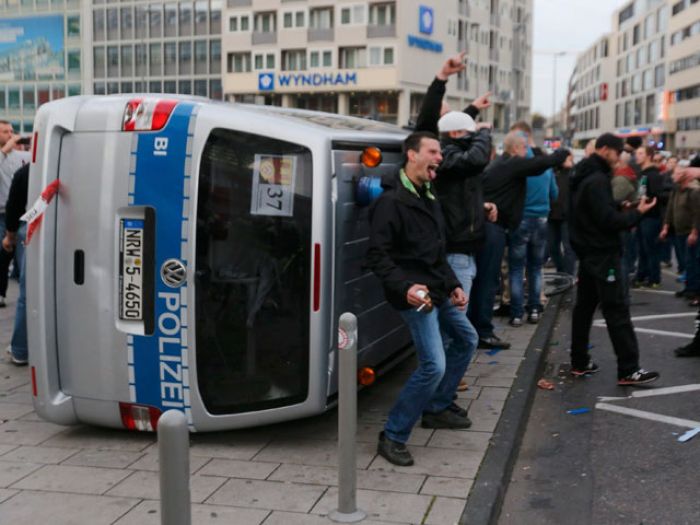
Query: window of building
x=112, y=24
x=215, y=57
x=98, y=25
x=294, y=19
x=649, y=26
x=353, y=14
x=201, y=65
x=155, y=20
x=659, y=76
x=383, y=14
x=112, y=61
x=648, y=80
x=215, y=17
x=170, y=19
x=628, y=113
x=320, y=58
x=264, y=61
x=185, y=58
x=169, y=86
x=651, y=108
x=293, y=60
x=141, y=60
x=238, y=62
x=127, y=87
x=265, y=22
x=637, y=111
x=170, y=58
x=186, y=18
x=352, y=57
x=28, y=100
x=155, y=86
x=155, y=60
x=239, y=23
x=184, y=87
x=381, y=56
x=98, y=61
x=201, y=16
x=321, y=18
x=127, y=23
x=635, y=35
x=73, y=26
x=127, y=61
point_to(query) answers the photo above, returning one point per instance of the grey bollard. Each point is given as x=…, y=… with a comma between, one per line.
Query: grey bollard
x=347, y=422
x=174, y=458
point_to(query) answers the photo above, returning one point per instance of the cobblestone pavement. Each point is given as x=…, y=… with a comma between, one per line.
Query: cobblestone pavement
x=282, y=474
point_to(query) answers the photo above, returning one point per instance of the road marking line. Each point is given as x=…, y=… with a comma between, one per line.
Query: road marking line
x=601, y=324
x=665, y=391
x=662, y=316
x=651, y=416
x=662, y=292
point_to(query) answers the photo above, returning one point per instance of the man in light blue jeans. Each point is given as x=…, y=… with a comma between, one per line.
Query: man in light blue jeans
x=526, y=249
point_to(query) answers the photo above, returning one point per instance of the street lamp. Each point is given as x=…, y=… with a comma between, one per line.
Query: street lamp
x=555, y=55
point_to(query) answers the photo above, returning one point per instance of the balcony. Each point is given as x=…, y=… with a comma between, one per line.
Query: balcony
x=321, y=35
x=259, y=38
x=239, y=3
x=385, y=31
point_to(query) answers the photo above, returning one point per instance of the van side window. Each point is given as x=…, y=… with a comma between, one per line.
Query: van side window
x=253, y=272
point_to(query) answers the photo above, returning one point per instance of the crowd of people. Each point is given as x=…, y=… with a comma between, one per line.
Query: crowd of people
x=457, y=213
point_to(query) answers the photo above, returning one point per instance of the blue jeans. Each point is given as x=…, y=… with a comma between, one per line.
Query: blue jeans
x=680, y=246
x=649, y=265
x=432, y=385
x=560, y=249
x=526, y=249
x=464, y=267
x=18, y=345
x=488, y=274
x=692, y=266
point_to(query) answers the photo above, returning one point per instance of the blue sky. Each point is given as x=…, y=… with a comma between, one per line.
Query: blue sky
x=564, y=25
x=17, y=30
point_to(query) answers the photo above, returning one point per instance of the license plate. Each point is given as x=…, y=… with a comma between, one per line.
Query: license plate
x=131, y=270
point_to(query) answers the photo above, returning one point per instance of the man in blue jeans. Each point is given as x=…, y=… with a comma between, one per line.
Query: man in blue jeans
x=407, y=253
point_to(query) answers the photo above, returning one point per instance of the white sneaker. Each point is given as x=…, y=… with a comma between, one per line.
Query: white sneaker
x=3, y=304
x=13, y=359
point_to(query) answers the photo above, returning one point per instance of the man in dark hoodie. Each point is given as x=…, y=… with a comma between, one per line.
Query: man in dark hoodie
x=505, y=184
x=407, y=253
x=595, y=236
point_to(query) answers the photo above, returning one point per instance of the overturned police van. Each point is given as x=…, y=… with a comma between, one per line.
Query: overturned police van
x=197, y=257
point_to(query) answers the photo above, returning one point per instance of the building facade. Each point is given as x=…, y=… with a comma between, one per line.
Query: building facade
x=371, y=58
x=376, y=59
x=683, y=79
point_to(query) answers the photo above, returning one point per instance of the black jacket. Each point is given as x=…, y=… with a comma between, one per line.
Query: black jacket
x=407, y=245
x=559, y=210
x=505, y=182
x=596, y=221
x=430, y=108
x=460, y=190
x=657, y=187
x=17, y=198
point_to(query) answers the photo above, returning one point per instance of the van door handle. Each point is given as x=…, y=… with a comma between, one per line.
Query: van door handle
x=79, y=267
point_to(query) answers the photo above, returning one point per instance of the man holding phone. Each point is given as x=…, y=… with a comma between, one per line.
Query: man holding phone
x=10, y=161
x=407, y=253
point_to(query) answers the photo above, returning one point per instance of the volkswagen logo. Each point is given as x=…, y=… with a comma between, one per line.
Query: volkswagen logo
x=173, y=273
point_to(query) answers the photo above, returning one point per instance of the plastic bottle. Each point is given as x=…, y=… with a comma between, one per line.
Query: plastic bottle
x=642, y=192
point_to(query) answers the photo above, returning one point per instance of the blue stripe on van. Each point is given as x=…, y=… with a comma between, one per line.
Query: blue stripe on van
x=160, y=364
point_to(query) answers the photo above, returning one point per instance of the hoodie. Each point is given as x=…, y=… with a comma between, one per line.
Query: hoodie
x=596, y=221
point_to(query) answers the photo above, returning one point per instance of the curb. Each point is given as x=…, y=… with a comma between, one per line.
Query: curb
x=486, y=496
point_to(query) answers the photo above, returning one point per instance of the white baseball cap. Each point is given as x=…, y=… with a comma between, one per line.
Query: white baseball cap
x=456, y=121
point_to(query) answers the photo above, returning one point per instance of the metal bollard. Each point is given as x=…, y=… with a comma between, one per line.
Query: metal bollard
x=347, y=422
x=174, y=457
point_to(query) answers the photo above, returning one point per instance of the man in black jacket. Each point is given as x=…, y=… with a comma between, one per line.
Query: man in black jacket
x=595, y=236
x=505, y=184
x=407, y=253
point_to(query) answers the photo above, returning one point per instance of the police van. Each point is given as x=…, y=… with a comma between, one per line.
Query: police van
x=197, y=257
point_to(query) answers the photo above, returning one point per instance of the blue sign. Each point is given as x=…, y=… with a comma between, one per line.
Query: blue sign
x=424, y=43
x=426, y=19
x=266, y=81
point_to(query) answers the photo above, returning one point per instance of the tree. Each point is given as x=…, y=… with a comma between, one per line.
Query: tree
x=538, y=121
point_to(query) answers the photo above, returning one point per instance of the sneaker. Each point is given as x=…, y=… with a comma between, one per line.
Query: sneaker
x=454, y=407
x=640, y=377
x=393, y=451
x=445, y=419
x=534, y=317
x=516, y=322
x=13, y=359
x=3, y=304
x=491, y=342
x=689, y=350
x=502, y=311
x=590, y=368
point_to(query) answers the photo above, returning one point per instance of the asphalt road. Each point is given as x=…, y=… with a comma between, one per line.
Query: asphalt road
x=603, y=467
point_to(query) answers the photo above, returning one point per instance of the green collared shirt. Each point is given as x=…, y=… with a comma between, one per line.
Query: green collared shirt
x=410, y=186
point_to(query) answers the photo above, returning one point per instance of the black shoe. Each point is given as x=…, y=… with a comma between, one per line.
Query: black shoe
x=640, y=377
x=445, y=419
x=454, y=407
x=491, y=342
x=590, y=368
x=689, y=350
x=681, y=293
x=393, y=451
x=502, y=311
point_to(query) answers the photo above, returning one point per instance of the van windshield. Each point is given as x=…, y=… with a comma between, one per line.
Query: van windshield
x=253, y=272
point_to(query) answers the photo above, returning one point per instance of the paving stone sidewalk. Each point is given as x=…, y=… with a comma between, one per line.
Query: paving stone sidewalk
x=282, y=474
